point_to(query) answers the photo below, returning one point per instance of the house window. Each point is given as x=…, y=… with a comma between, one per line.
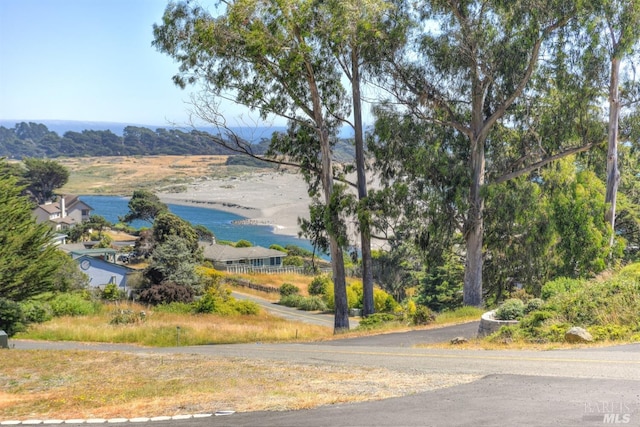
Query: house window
x=113, y=280
x=257, y=262
x=275, y=260
x=229, y=262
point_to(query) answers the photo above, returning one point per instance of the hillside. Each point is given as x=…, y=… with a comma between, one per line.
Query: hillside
x=96, y=139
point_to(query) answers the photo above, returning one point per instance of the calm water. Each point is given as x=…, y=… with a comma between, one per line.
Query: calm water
x=219, y=222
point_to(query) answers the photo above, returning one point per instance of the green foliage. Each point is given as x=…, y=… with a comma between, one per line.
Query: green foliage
x=293, y=300
x=35, y=140
x=12, y=319
x=36, y=311
x=276, y=247
x=73, y=304
x=577, y=209
x=511, y=309
x=423, y=315
x=312, y=303
x=294, y=250
x=295, y=261
x=112, y=292
x=43, y=176
x=174, y=261
x=28, y=262
x=167, y=226
x=320, y=285
x=376, y=320
x=607, y=308
x=243, y=244
x=559, y=286
x=126, y=317
x=398, y=270
x=287, y=289
x=354, y=297
x=219, y=301
x=441, y=288
x=145, y=206
x=174, y=307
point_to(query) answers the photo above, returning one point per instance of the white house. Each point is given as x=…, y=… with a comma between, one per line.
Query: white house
x=224, y=256
x=65, y=212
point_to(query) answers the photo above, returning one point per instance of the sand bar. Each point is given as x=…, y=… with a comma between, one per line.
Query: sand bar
x=265, y=198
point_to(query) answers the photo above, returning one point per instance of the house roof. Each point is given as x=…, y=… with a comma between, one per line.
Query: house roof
x=104, y=265
x=215, y=252
x=71, y=201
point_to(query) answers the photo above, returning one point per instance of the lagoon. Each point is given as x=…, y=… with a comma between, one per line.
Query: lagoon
x=219, y=222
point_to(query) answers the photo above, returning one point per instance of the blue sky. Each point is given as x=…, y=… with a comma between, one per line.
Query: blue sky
x=88, y=60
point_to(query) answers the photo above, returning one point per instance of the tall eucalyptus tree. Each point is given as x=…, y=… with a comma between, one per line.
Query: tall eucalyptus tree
x=622, y=29
x=264, y=54
x=466, y=81
x=356, y=32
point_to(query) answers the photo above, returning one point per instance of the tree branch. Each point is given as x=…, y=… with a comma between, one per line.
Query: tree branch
x=543, y=162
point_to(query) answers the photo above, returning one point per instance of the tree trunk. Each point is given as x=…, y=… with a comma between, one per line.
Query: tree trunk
x=365, y=231
x=613, y=173
x=474, y=229
x=341, y=319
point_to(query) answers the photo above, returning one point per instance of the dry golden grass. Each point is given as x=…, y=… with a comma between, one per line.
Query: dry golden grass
x=160, y=329
x=275, y=281
x=122, y=175
x=91, y=384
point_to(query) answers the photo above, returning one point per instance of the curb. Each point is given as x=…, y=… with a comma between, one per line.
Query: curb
x=112, y=420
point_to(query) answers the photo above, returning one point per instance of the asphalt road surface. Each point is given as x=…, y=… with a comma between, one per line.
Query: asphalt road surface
x=580, y=387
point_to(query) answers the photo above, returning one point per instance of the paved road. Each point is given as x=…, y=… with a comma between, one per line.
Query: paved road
x=518, y=388
x=291, y=313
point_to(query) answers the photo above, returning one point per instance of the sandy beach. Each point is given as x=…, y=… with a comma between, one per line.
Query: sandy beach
x=264, y=198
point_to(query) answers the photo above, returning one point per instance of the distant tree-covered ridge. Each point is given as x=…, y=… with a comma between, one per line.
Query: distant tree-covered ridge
x=36, y=140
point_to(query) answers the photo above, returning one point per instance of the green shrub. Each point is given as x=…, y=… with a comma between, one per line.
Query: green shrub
x=376, y=320
x=560, y=285
x=36, y=311
x=11, y=317
x=294, y=250
x=288, y=289
x=522, y=295
x=511, y=309
x=319, y=285
x=293, y=260
x=383, y=302
x=245, y=307
x=313, y=303
x=126, y=317
x=219, y=301
x=276, y=247
x=73, y=304
x=423, y=315
x=291, y=300
x=112, y=292
x=533, y=305
x=609, y=332
x=243, y=244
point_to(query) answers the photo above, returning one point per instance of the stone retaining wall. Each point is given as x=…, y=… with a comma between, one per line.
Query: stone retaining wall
x=489, y=324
